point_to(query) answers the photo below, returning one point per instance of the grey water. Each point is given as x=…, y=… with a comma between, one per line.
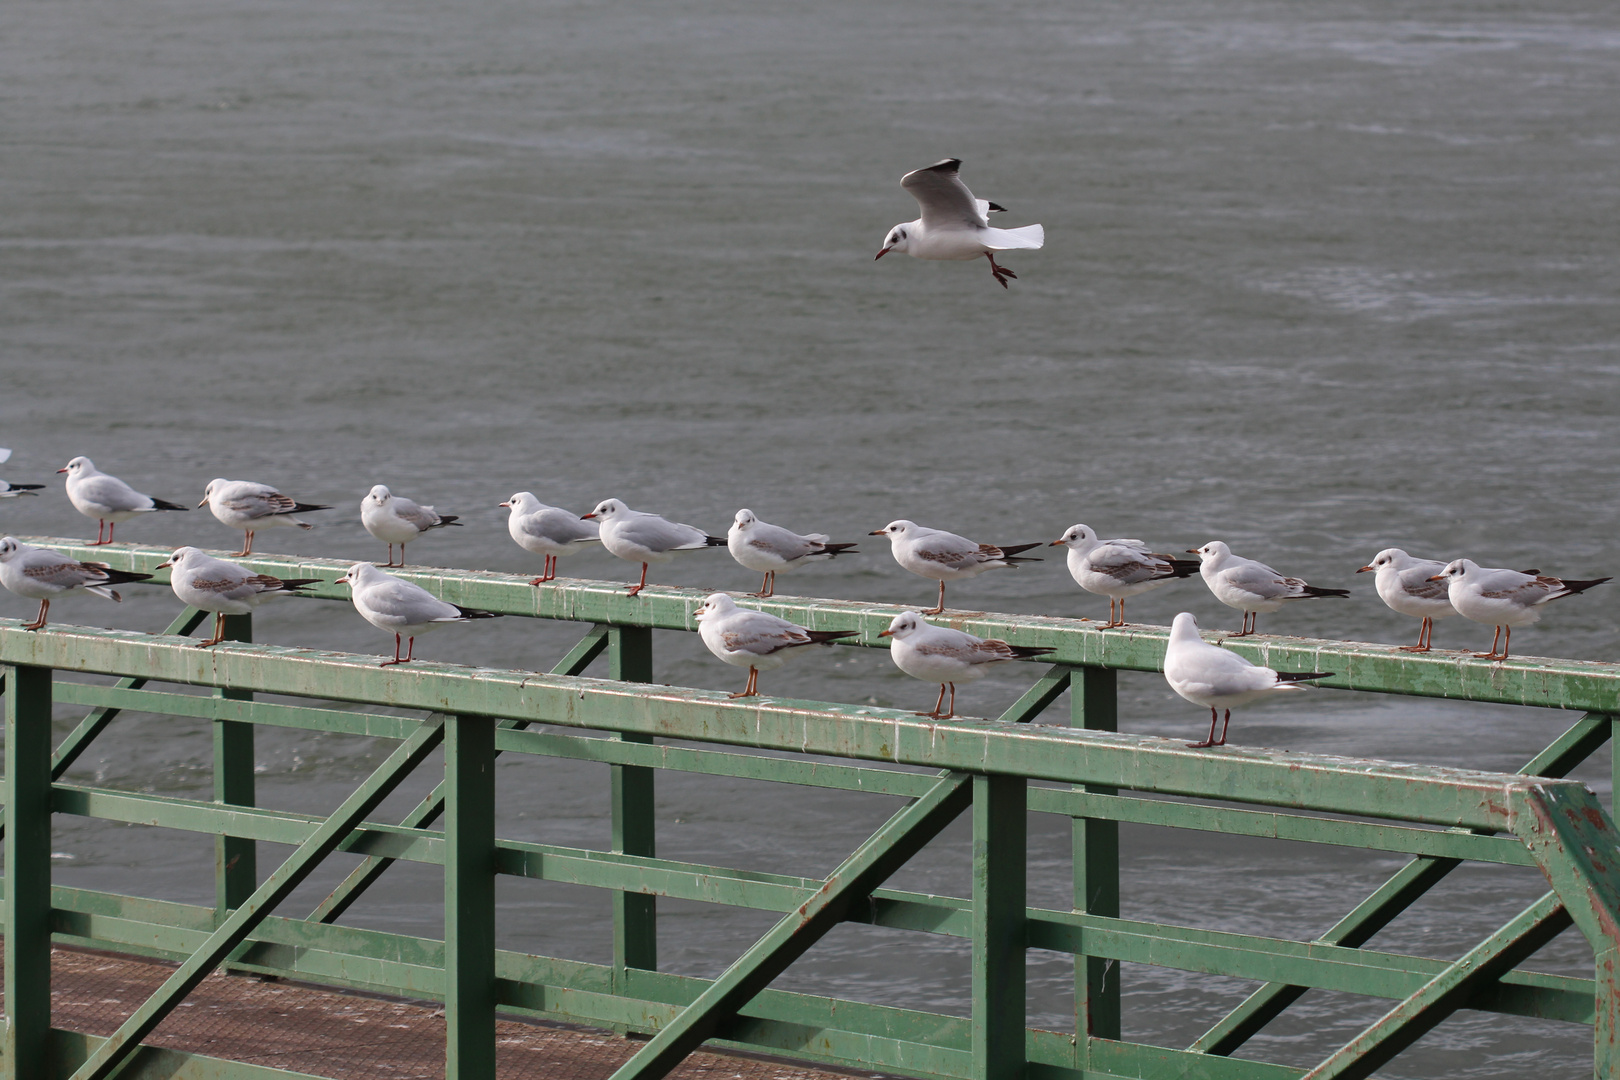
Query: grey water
x=1319, y=279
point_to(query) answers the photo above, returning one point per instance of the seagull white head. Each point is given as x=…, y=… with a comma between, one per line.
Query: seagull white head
x=520, y=501
x=181, y=554
x=1456, y=570
x=9, y=546
x=1184, y=625
x=716, y=604
x=78, y=466
x=894, y=529
x=904, y=625
x=1392, y=557
x=379, y=496
x=606, y=510
x=357, y=575
x=1215, y=549
x=1077, y=534
x=897, y=240
x=208, y=492
x=744, y=519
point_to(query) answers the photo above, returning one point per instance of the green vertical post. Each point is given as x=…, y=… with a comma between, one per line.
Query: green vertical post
x=1094, y=705
x=236, y=870
x=28, y=873
x=635, y=916
x=999, y=848
x=469, y=898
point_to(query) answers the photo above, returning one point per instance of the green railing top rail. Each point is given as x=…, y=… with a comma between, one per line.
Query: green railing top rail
x=1551, y=683
x=1427, y=794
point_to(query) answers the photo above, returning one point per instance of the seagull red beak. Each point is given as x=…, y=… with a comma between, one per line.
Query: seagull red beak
x=884, y=633
x=588, y=517
x=878, y=532
x=1194, y=551
x=1438, y=577
x=1364, y=569
x=61, y=470
x=1055, y=543
x=880, y=254
x=204, y=501
x=506, y=504
x=162, y=566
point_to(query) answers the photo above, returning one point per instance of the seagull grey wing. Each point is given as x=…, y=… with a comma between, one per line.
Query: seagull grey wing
x=956, y=552
x=259, y=504
x=423, y=517
x=761, y=640
x=61, y=573
x=559, y=526
x=783, y=543
x=113, y=493
x=1528, y=592
x=992, y=651
x=1415, y=582
x=410, y=602
x=657, y=534
x=1261, y=580
x=946, y=202
x=1125, y=565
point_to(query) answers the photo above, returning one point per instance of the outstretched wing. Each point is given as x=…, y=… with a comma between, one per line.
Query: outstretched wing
x=946, y=202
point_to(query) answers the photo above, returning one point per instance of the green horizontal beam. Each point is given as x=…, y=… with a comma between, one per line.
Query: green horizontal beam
x=1427, y=794
x=1230, y=821
x=1553, y=683
x=302, y=717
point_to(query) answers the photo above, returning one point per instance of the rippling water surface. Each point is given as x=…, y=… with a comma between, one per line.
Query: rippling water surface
x=1319, y=279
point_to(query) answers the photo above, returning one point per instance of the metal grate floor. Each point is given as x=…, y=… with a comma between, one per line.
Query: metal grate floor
x=347, y=1036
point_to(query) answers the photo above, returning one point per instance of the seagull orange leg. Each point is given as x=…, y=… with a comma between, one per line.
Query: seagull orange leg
x=1001, y=272
x=39, y=620
x=1492, y=654
x=642, y=584
x=219, y=631
x=941, y=608
x=938, y=705
x=1210, y=741
x=1423, y=637
x=247, y=543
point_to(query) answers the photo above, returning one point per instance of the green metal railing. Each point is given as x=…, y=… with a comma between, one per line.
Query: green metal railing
x=1439, y=817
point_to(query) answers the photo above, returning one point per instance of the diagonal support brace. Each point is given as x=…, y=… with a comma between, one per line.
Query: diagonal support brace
x=1446, y=992
x=111, y=1055
x=1400, y=892
x=425, y=813
x=1045, y=691
x=901, y=837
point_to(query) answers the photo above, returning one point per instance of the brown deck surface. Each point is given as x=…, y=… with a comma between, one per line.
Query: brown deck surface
x=340, y=1035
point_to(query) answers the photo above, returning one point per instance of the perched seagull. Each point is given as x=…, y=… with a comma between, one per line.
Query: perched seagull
x=394, y=519
x=1408, y=585
x=547, y=530
x=210, y=584
x=1118, y=568
x=942, y=655
x=42, y=574
x=401, y=608
x=108, y=499
x=646, y=538
x=955, y=225
x=1249, y=586
x=1208, y=675
x=11, y=491
x=766, y=548
x=1503, y=598
x=242, y=504
x=941, y=556
x=755, y=640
